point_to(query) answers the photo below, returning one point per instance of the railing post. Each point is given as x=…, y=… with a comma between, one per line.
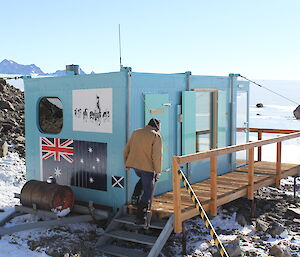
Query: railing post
x=251, y=174
x=176, y=196
x=213, y=185
x=259, y=151
x=278, y=164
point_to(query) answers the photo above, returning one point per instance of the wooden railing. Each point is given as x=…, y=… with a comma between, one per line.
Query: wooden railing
x=260, y=131
x=213, y=155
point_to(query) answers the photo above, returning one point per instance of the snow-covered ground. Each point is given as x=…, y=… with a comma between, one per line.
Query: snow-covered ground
x=12, y=169
x=272, y=115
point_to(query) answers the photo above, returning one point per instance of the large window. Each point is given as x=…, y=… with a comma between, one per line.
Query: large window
x=50, y=115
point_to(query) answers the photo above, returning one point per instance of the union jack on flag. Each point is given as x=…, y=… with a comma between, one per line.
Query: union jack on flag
x=57, y=148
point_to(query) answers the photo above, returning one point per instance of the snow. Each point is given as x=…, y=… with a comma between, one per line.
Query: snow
x=11, y=181
x=61, y=213
x=15, y=249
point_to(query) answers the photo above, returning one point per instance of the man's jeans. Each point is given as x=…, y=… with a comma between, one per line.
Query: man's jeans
x=144, y=184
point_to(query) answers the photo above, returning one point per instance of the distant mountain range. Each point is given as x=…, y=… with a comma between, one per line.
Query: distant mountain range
x=11, y=67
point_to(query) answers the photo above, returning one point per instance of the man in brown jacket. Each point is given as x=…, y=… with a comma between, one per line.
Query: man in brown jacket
x=143, y=153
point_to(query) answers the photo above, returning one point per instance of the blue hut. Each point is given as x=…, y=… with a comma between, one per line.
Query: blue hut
x=77, y=127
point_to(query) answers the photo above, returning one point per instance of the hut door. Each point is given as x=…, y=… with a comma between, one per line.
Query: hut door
x=199, y=120
x=157, y=106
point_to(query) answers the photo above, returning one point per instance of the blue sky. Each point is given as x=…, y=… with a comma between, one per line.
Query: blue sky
x=257, y=38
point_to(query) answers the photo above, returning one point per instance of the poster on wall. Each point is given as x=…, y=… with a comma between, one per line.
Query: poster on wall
x=74, y=162
x=92, y=110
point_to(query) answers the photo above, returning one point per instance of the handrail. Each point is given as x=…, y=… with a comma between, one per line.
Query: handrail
x=234, y=148
x=213, y=154
x=273, y=131
x=260, y=132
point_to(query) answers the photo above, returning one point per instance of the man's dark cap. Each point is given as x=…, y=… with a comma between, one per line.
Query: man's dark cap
x=154, y=123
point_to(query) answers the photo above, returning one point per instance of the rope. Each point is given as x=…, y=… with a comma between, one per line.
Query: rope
x=255, y=83
x=203, y=215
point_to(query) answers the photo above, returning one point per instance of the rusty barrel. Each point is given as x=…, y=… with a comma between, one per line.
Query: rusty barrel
x=47, y=196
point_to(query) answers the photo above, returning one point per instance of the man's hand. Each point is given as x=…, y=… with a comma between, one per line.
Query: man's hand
x=157, y=175
x=126, y=168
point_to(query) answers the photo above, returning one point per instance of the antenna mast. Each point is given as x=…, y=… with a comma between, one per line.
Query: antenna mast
x=120, y=47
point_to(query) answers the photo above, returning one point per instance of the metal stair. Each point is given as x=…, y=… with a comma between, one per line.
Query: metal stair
x=123, y=239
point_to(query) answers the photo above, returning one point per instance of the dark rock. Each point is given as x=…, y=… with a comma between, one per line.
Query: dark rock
x=20, y=148
x=296, y=221
x=2, y=81
x=296, y=112
x=240, y=218
x=276, y=251
x=275, y=229
x=259, y=105
x=294, y=212
x=20, y=139
x=7, y=126
x=2, y=87
x=232, y=248
x=262, y=225
x=6, y=105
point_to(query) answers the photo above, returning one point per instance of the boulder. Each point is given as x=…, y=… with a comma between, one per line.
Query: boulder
x=262, y=225
x=232, y=248
x=2, y=88
x=241, y=219
x=277, y=251
x=3, y=149
x=2, y=81
x=6, y=126
x=275, y=229
x=297, y=112
x=6, y=105
x=20, y=139
x=259, y=105
x=294, y=212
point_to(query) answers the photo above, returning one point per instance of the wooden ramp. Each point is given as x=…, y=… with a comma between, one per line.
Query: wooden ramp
x=230, y=186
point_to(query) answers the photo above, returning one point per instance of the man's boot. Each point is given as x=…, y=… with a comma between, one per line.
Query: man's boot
x=140, y=213
x=135, y=199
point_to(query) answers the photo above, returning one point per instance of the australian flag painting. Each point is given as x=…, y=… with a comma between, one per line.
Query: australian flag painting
x=74, y=162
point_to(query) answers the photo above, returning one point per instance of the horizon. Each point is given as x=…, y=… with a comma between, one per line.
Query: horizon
x=51, y=72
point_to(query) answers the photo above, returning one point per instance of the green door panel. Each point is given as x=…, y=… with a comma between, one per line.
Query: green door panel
x=156, y=107
x=188, y=122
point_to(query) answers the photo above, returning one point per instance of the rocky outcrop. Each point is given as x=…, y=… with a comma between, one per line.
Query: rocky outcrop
x=11, y=119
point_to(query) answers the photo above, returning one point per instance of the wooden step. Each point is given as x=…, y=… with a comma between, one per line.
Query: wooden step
x=122, y=251
x=130, y=219
x=131, y=236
